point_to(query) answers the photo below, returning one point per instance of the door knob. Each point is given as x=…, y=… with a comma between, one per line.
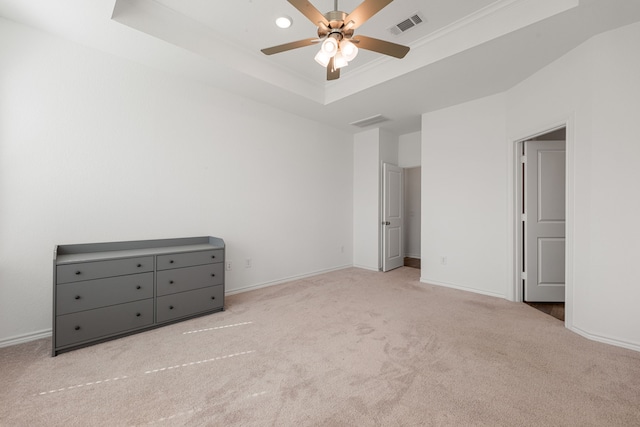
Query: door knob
x=386, y=223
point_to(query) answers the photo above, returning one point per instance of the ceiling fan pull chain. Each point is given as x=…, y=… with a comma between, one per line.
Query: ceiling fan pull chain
x=335, y=4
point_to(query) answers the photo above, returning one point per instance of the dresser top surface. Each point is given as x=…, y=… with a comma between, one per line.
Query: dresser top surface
x=69, y=254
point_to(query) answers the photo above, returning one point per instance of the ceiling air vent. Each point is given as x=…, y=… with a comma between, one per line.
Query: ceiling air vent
x=407, y=24
x=369, y=121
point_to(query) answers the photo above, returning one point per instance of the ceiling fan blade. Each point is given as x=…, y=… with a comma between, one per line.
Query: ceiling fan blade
x=380, y=46
x=365, y=10
x=332, y=72
x=309, y=10
x=289, y=46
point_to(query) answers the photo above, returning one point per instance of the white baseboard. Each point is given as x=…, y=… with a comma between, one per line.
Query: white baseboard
x=462, y=288
x=364, y=267
x=605, y=340
x=593, y=337
x=284, y=280
x=21, y=339
x=417, y=256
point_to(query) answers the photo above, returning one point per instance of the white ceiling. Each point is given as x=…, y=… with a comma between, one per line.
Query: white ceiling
x=466, y=48
x=252, y=26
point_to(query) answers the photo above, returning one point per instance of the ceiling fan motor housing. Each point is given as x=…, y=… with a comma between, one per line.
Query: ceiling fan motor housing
x=336, y=24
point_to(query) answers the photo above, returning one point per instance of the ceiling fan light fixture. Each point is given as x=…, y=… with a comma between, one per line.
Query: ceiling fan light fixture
x=322, y=58
x=284, y=21
x=330, y=46
x=335, y=29
x=348, y=49
x=339, y=61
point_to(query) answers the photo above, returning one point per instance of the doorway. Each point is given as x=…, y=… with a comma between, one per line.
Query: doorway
x=392, y=217
x=541, y=202
x=413, y=216
x=401, y=217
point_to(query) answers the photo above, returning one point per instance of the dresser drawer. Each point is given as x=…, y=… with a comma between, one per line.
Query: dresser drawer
x=188, y=278
x=67, y=273
x=80, y=296
x=188, y=259
x=88, y=325
x=188, y=303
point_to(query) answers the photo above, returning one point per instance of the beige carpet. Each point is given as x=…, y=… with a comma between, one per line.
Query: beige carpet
x=351, y=347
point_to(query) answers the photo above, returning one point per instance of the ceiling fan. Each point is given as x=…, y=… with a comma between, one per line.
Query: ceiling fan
x=335, y=31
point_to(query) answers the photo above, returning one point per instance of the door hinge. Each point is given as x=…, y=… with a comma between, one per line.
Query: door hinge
x=524, y=217
x=523, y=275
x=523, y=159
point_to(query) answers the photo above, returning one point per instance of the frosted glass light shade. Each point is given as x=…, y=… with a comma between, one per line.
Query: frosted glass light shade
x=330, y=46
x=348, y=49
x=340, y=61
x=322, y=58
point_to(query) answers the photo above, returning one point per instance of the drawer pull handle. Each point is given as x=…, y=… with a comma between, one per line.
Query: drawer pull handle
x=137, y=314
x=213, y=275
x=171, y=282
x=171, y=261
x=139, y=265
x=138, y=287
x=77, y=296
x=170, y=307
x=213, y=256
x=77, y=328
x=213, y=297
x=78, y=273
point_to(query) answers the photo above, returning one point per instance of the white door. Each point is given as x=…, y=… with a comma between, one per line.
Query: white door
x=544, y=231
x=392, y=237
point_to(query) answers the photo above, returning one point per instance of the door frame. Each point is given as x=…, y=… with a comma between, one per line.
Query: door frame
x=515, y=235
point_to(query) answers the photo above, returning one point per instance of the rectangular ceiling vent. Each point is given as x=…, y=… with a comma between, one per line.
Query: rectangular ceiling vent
x=369, y=121
x=407, y=24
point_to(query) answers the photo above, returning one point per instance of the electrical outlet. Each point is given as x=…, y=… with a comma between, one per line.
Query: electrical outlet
x=247, y=263
x=229, y=265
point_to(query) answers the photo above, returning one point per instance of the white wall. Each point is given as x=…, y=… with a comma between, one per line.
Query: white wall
x=372, y=148
x=409, y=149
x=388, y=148
x=94, y=148
x=366, y=195
x=468, y=179
x=464, y=198
x=597, y=87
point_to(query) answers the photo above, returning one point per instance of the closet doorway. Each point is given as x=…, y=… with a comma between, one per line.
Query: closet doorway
x=541, y=213
x=413, y=216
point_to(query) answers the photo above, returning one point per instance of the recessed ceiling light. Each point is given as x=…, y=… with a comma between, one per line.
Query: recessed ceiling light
x=284, y=21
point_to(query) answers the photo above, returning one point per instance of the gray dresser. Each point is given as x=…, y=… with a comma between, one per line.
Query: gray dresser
x=103, y=291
